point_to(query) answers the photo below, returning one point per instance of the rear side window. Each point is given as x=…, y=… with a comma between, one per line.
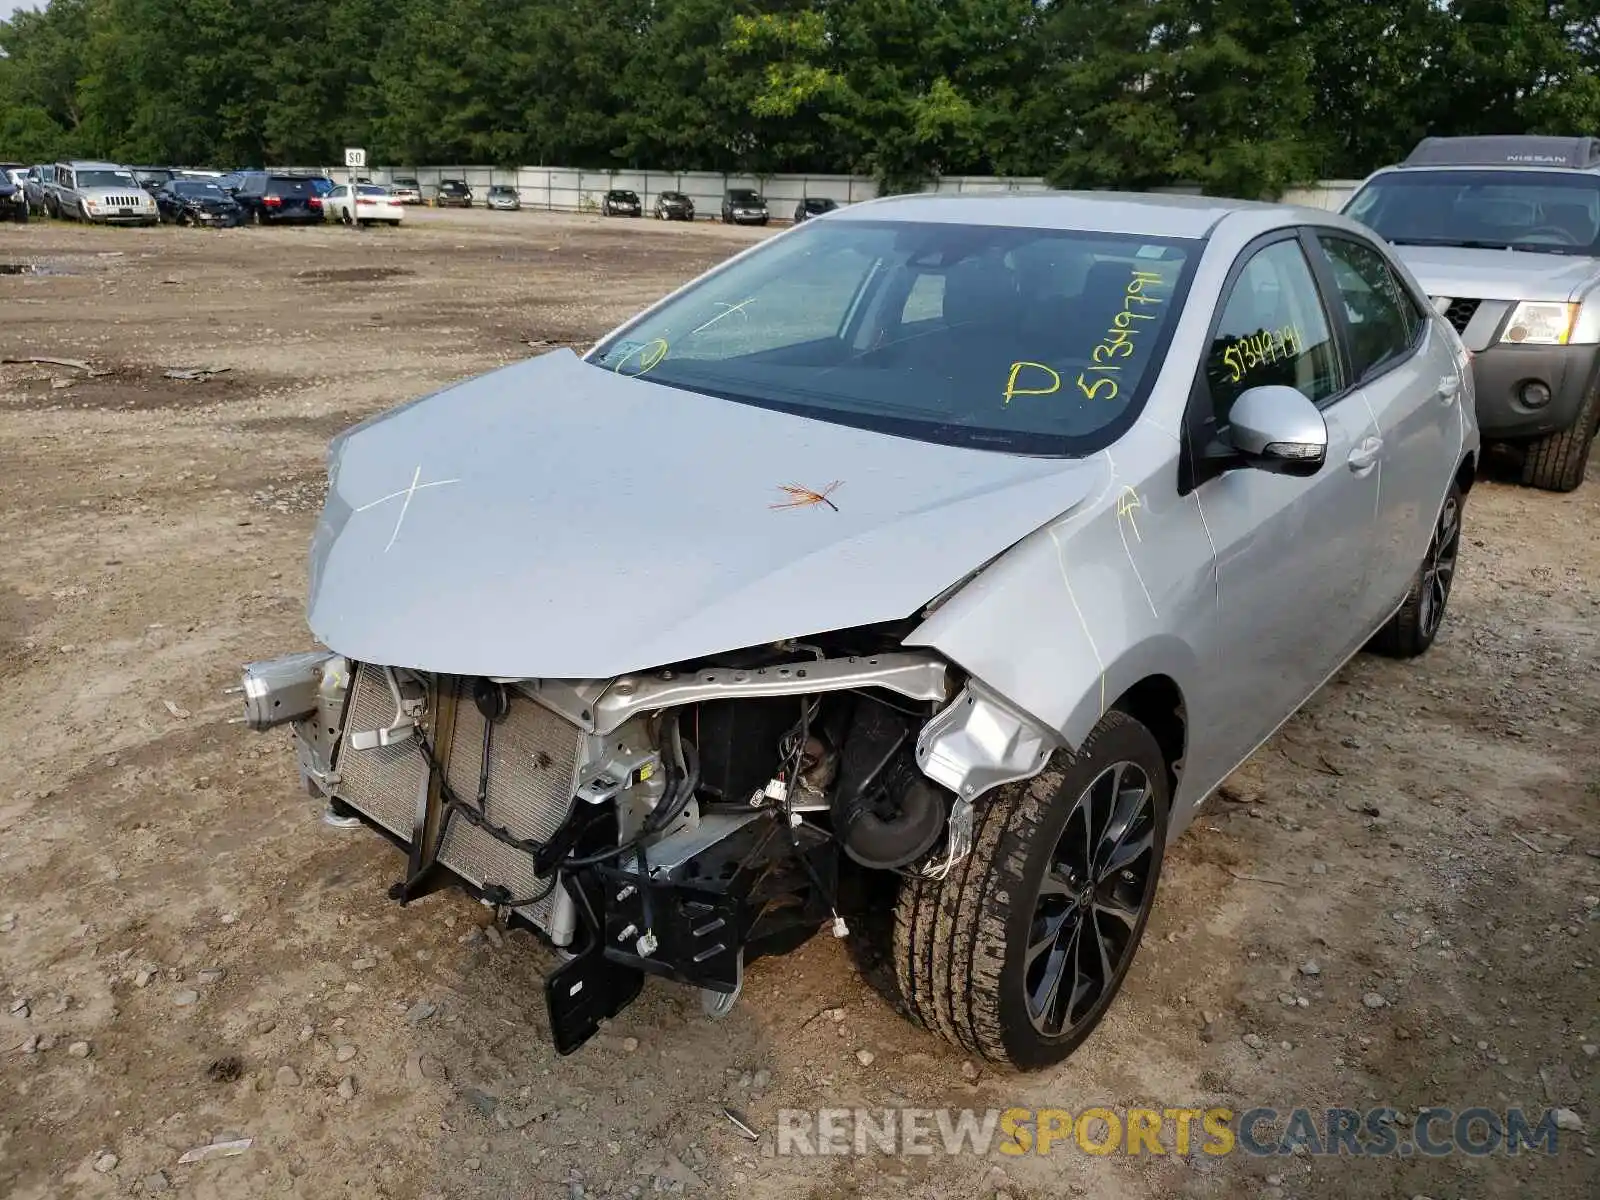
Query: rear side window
x=1273, y=331
x=1384, y=320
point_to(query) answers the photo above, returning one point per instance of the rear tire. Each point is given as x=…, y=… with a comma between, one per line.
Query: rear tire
x=1412, y=629
x=1556, y=462
x=1059, y=884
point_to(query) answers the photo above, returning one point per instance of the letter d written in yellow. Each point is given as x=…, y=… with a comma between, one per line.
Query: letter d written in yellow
x=1016, y=369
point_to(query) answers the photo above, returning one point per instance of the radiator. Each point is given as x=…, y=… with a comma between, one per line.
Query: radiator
x=533, y=759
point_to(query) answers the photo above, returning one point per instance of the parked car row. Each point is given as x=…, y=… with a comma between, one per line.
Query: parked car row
x=740, y=206
x=185, y=196
x=13, y=199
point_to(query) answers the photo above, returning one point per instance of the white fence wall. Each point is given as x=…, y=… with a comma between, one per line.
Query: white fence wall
x=1329, y=194
x=572, y=189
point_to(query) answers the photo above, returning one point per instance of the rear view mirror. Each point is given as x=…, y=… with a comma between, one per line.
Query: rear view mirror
x=1275, y=428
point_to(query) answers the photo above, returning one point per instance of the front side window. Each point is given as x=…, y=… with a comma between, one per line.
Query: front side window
x=1039, y=341
x=1273, y=331
x=1383, y=319
x=1550, y=212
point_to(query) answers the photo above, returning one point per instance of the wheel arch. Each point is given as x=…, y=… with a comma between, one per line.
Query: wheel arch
x=1467, y=471
x=1157, y=703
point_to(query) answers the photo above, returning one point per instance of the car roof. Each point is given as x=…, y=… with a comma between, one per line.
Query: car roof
x=1149, y=214
x=86, y=164
x=1506, y=150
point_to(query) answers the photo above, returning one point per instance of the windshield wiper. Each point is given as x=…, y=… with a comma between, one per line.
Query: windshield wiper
x=1451, y=242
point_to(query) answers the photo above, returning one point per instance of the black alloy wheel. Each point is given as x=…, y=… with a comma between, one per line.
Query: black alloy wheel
x=1019, y=952
x=1412, y=629
x=1439, y=568
x=1090, y=902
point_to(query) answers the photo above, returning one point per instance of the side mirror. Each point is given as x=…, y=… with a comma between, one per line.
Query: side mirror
x=1275, y=428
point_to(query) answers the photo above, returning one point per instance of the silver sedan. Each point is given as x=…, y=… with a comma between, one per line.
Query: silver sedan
x=916, y=574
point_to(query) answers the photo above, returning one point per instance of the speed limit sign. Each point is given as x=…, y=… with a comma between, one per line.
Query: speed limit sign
x=354, y=156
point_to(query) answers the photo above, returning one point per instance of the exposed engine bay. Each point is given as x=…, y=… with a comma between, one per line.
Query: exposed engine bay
x=677, y=822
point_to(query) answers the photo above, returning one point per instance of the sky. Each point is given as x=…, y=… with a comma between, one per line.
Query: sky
x=7, y=7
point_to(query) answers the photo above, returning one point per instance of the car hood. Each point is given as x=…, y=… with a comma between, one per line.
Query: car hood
x=554, y=519
x=1457, y=271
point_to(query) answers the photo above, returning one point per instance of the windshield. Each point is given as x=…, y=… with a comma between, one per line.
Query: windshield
x=744, y=197
x=187, y=187
x=623, y=196
x=105, y=179
x=1036, y=341
x=1545, y=211
x=405, y=183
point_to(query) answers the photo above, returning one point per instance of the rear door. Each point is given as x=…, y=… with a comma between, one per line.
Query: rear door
x=1408, y=375
x=1291, y=553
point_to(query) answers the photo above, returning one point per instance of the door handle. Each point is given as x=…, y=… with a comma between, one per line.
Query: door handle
x=1449, y=388
x=1365, y=456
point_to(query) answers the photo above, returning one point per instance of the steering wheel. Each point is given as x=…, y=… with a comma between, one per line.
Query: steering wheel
x=1565, y=236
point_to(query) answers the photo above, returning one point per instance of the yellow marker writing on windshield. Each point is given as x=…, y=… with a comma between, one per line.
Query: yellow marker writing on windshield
x=1016, y=369
x=649, y=354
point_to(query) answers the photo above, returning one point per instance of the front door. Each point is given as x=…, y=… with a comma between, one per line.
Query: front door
x=1291, y=553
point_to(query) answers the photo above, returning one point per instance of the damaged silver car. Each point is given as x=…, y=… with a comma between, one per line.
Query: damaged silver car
x=915, y=574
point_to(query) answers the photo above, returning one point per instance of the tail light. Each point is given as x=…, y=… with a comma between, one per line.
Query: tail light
x=314, y=201
x=272, y=201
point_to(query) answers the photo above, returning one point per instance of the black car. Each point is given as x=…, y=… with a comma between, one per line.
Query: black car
x=197, y=202
x=620, y=203
x=674, y=206
x=743, y=206
x=13, y=199
x=813, y=206
x=265, y=198
x=453, y=193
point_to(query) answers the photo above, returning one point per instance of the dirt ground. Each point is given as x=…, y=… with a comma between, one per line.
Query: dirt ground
x=1425, y=833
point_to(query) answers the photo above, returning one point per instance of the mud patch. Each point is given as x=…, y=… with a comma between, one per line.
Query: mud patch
x=322, y=427
x=355, y=274
x=127, y=388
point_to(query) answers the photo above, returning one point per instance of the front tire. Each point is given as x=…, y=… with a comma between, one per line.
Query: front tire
x=1557, y=461
x=1059, y=884
x=1412, y=629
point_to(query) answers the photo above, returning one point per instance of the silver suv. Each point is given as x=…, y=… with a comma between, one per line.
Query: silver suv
x=1504, y=233
x=104, y=194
